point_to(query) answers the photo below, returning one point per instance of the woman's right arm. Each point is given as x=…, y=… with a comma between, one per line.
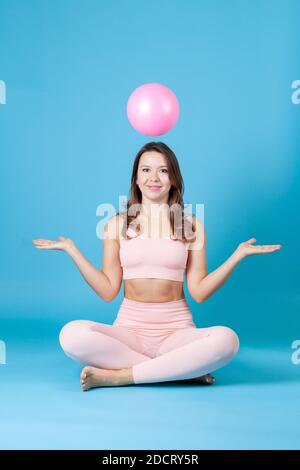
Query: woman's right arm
x=106, y=282
x=106, y=287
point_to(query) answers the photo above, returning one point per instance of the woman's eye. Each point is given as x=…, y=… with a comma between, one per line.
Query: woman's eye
x=146, y=169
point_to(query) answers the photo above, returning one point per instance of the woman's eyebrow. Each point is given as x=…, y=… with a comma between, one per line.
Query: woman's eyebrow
x=161, y=166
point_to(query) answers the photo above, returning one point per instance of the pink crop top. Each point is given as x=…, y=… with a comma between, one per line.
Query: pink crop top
x=153, y=258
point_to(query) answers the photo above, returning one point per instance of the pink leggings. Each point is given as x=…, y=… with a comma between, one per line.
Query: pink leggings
x=159, y=340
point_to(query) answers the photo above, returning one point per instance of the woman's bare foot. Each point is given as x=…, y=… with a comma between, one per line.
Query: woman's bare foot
x=206, y=379
x=91, y=377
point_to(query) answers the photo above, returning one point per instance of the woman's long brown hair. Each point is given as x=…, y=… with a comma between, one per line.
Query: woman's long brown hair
x=185, y=225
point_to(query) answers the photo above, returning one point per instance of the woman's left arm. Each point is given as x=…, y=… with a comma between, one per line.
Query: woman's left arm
x=202, y=285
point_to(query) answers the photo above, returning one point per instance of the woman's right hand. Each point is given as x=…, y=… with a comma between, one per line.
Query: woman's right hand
x=64, y=244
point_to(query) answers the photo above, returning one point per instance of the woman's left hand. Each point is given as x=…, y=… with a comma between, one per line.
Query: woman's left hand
x=246, y=248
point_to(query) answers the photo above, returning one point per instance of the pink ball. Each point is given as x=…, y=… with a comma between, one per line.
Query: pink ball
x=152, y=109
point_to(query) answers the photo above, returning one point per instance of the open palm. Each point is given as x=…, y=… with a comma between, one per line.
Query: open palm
x=63, y=244
x=247, y=248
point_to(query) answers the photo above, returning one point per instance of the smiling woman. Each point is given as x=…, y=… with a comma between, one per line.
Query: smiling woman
x=154, y=337
x=156, y=193
x=151, y=253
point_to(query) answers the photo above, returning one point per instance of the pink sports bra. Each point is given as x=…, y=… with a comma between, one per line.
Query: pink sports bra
x=153, y=258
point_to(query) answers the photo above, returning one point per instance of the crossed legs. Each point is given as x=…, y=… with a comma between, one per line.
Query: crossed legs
x=114, y=354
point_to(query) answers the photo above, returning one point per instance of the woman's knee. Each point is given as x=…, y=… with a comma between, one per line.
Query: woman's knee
x=72, y=333
x=228, y=341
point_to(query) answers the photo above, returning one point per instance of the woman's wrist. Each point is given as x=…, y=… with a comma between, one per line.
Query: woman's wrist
x=71, y=248
x=238, y=256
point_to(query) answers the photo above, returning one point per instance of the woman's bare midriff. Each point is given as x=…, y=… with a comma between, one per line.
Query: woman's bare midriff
x=153, y=290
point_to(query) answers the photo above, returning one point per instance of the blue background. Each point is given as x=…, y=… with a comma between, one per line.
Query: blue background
x=66, y=146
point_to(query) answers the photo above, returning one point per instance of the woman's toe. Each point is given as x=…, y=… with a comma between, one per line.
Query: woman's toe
x=210, y=379
x=84, y=373
x=206, y=379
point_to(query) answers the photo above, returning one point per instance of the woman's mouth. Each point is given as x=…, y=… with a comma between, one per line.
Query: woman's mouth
x=154, y=188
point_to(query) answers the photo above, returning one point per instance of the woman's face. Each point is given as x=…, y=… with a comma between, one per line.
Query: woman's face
x=153, y=177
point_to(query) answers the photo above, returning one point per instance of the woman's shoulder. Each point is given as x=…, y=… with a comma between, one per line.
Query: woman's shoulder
x=194, y=220
x=199, y=233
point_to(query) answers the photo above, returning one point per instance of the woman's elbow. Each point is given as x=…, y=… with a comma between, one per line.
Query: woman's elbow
x=108, y=298
x=198, y=298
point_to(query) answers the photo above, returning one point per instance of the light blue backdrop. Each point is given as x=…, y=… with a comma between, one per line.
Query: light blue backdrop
x=66, y=146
